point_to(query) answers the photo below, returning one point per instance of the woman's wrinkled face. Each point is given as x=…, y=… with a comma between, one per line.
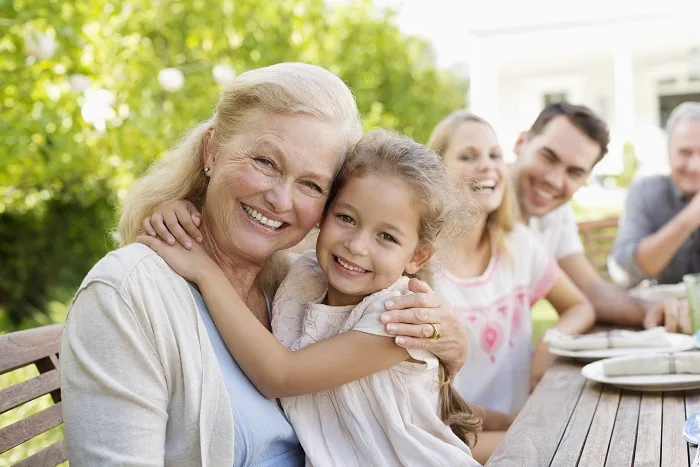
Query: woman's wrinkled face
x=269, y=183
x=473, y=154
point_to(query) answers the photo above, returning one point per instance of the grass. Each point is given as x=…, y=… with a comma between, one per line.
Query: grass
x=543, y=316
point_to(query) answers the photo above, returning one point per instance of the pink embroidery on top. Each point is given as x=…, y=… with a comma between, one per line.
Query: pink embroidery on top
x=519, y=308
x=503, y=310
x=491, y=336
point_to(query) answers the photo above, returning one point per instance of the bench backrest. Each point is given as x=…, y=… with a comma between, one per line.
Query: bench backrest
x=38, y=347
x=598, y=237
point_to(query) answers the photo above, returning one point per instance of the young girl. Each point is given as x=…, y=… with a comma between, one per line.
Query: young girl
x=352, y=395
x=498, y=272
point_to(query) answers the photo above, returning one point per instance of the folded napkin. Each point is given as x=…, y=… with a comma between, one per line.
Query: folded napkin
x=653, y=364
x=654, y=337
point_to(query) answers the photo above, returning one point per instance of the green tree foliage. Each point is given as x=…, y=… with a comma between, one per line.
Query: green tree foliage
x=63, y=170
x=630, y=166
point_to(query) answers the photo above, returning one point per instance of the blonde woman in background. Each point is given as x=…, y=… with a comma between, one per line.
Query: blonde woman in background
x=146, y=378
x=499, y=270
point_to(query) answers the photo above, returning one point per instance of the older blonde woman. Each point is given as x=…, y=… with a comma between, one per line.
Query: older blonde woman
x=145, y=374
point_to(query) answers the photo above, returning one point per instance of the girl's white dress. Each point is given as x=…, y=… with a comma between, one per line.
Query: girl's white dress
x=387, y=419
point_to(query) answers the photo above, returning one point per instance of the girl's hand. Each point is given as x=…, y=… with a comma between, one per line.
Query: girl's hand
x=194, y=264
x=175, y=220
x=411, y=318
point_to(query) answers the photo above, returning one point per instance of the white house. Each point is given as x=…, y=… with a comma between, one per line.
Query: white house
x=631, y=62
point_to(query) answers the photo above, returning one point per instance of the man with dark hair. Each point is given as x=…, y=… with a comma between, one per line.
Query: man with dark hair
x=554, y=159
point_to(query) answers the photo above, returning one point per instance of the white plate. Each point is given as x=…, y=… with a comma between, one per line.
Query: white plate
x=679, y=343
x=594, y=371
x=655, y=294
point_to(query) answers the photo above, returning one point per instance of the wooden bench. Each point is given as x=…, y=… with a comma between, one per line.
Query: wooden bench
x=598, y=237
x=39, y=347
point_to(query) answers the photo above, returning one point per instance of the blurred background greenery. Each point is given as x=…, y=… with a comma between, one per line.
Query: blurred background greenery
x=92, y=91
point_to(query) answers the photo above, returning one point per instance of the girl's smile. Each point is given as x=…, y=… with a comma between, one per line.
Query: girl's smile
x=348, y=267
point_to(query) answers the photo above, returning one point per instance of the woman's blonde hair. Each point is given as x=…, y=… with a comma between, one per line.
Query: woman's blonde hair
x=443, y=214
x=283, y=89
x=501, y=221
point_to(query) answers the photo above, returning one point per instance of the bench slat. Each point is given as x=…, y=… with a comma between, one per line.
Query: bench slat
x=45, y=365
x=48, y=457
x=27, y=428
x=22, y=348
x=608, y=222
x=26, y=391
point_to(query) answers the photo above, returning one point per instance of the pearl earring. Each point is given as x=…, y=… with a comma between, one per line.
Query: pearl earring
x=207, y=169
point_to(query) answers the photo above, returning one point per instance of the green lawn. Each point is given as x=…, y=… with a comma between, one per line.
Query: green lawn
x=543, y=316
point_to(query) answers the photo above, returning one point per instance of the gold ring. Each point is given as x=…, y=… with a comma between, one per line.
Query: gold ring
x=436, y=334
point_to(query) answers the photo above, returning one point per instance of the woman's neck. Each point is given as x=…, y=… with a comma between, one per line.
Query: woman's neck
x=475, y=240
x=241, y=273
x=473, y=252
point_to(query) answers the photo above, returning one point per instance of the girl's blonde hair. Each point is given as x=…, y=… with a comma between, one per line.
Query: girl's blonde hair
x=501, y=221
x=283, y=89
x=443, y=214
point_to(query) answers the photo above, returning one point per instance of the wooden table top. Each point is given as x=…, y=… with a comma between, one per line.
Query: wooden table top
x=570, y=421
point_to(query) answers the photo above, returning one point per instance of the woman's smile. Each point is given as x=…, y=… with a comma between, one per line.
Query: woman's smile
x=269, y=223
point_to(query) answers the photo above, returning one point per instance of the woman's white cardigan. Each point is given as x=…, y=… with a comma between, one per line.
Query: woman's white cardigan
x=140, y=382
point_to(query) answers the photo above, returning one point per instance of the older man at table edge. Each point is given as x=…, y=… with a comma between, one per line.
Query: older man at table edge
x=554, y=159
x=659, y=236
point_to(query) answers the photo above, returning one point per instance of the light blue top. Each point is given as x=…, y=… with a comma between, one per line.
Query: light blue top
x=263, y=436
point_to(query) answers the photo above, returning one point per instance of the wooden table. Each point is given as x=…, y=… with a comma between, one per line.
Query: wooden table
x=570, y=421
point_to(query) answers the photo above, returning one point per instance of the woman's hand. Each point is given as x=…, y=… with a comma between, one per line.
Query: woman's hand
x=194, y=264
x=542, y=359
x=175, y=220
x=410, y=318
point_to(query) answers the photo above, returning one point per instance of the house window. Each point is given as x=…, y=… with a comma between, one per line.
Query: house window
x=553, y=98
x=669, y=102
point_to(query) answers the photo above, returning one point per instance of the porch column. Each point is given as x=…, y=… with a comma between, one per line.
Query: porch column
x=482, y=98
x=624, y=93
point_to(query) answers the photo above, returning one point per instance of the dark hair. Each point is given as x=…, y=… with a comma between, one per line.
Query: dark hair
x=443, y=213
x=581, y=117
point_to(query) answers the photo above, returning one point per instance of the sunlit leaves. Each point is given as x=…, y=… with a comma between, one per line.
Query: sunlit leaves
x=83, y=111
